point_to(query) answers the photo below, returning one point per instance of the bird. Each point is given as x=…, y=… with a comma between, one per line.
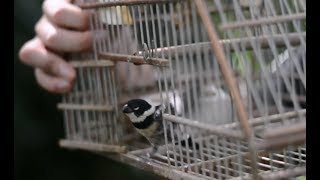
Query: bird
x=147, y=120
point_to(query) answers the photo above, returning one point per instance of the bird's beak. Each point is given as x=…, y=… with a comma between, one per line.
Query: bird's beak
x=126, y=109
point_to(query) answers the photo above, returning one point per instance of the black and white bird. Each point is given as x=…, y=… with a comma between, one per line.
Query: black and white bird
x=147, y=120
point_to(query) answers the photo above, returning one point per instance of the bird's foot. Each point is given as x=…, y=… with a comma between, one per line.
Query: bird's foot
x=152, y=152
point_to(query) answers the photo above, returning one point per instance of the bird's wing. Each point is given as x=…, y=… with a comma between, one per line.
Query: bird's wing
x=158, y=113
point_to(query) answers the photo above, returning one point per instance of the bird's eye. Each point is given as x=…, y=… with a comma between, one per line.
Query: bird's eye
x=136, y=108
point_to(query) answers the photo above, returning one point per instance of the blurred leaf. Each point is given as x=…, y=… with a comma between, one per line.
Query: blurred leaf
x=301, y=178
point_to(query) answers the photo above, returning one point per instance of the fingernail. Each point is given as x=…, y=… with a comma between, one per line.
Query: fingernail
x=66, y=72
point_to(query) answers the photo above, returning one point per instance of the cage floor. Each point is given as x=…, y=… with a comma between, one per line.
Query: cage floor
x=225, y=162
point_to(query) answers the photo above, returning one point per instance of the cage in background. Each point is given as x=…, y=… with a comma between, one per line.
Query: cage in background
x=241, y=96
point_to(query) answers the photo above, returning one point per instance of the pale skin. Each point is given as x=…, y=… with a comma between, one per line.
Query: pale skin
x=64, y=28
x=53, y=38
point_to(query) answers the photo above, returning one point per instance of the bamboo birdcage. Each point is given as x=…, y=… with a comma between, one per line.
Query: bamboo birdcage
x=235, y=68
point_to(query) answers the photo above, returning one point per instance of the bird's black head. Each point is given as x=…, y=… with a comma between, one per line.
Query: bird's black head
x=137, y=106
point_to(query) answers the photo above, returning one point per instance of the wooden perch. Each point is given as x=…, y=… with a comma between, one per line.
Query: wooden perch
x=91, y=63
x=137, y=60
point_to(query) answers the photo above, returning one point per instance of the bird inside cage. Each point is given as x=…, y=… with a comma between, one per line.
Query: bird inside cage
x=147, y=118
x=192, y=101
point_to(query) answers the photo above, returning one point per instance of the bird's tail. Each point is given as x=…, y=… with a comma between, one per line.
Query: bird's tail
x=190, y=142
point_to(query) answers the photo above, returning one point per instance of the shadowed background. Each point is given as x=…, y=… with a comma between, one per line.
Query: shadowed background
x=38, y=125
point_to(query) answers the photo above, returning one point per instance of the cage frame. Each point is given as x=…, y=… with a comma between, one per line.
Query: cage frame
x=227, y=73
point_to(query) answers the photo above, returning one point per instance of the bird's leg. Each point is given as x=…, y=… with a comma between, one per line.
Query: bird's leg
x=153, y=150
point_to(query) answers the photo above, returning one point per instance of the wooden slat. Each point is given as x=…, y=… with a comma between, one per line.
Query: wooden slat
x=91, y=63
x=92, y=146
x=106, y=108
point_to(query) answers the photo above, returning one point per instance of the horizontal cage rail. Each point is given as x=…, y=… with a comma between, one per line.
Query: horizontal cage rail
x=106, y=108
x=94, y=5
x=263, y=21
x=211, y=128
x=92, y=146
x=293, y=39
x=271, y=118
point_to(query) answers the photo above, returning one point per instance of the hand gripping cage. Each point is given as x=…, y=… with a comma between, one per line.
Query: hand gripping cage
x=235, y=69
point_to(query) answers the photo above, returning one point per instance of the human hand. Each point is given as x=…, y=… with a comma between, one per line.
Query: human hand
x=63, y=28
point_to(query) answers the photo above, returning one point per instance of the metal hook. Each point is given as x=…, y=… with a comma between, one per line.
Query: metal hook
x=145, y=51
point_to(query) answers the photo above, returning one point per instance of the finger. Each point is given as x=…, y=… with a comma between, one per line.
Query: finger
x=51, y=83
x=34, y=53
x=66, y=14
x=60, y=39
